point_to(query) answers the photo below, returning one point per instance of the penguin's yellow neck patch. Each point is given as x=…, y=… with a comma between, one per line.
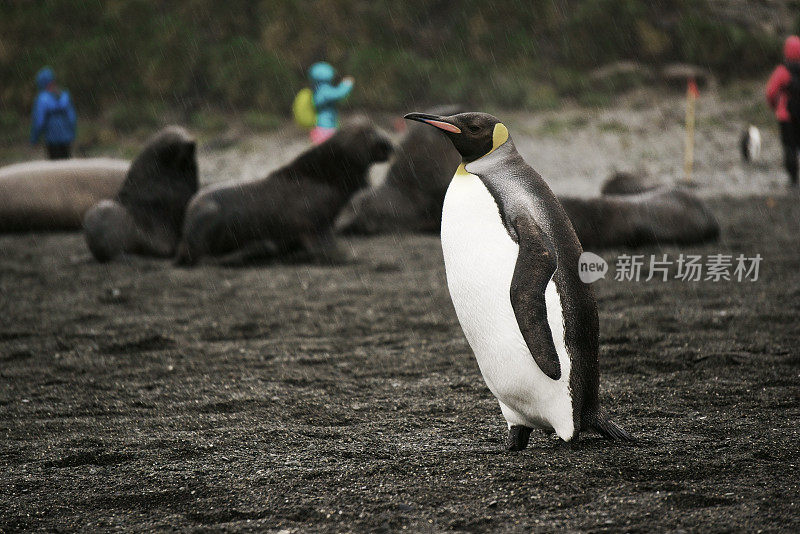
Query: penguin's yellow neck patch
x=499, y=136
x=462, y=170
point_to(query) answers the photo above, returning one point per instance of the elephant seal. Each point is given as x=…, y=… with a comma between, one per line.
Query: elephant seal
x=410, y=198
x=55, y=195
x=145, y=217
x=662, y=215
x=289, y=213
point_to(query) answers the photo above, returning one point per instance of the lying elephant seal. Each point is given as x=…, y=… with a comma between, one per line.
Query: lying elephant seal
x=289, y=212
x=145, y=216
x=410, y=198
x=55, y=195
x=659, y=216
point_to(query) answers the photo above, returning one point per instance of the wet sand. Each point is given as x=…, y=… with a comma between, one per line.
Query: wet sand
x=345, y=398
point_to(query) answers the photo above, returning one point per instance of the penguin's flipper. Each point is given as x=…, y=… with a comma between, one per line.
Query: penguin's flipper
x=535, y=266
x=744, y=145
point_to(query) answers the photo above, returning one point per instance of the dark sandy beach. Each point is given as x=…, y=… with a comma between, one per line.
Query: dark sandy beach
x=345, y=398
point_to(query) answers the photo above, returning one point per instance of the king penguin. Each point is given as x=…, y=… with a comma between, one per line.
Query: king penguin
x=750, y=144
x=511, y=258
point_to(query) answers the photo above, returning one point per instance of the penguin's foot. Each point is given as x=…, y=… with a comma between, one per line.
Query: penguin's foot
x=518, y=437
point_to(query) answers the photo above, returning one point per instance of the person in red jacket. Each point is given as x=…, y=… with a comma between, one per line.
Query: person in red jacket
x=783, y=96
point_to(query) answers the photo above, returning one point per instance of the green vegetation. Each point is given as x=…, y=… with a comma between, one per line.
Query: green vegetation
x=136, y=64
x=613, y=127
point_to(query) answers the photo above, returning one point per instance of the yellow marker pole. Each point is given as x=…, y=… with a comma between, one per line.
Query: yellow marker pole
x=688, y=153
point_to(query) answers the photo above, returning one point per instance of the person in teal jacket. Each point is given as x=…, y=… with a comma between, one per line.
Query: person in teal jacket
x=53, y=116
x=326, y=98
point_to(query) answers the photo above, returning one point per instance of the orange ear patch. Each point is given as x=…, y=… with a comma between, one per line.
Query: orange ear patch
x=446, y=126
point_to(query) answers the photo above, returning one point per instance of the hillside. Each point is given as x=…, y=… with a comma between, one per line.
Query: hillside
x=135, y=63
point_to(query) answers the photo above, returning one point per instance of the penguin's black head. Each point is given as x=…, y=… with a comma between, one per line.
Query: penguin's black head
x=473, y=134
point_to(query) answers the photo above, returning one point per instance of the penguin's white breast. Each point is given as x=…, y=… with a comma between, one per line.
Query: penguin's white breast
x=753, y=143
x=480, y=258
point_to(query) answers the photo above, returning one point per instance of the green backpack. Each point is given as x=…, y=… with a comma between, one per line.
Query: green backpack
x=305, y=115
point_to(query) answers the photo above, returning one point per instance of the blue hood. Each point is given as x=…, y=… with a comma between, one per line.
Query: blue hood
x=321, y=72
x=44, y=77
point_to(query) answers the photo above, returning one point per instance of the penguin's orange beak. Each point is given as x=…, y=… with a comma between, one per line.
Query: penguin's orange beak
x=434, y=120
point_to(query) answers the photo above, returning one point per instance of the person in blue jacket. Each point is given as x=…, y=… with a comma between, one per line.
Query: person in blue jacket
x=326, y=97
x=53, y=116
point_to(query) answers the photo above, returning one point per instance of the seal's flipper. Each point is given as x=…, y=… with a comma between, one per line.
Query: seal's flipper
x=109, y=230
x=322, y=249
x=262, y=251
x=200, y=228
x=518, y=436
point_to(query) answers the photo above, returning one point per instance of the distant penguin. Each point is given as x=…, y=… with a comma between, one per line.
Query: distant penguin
x=511, y=258
x=750, y=144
